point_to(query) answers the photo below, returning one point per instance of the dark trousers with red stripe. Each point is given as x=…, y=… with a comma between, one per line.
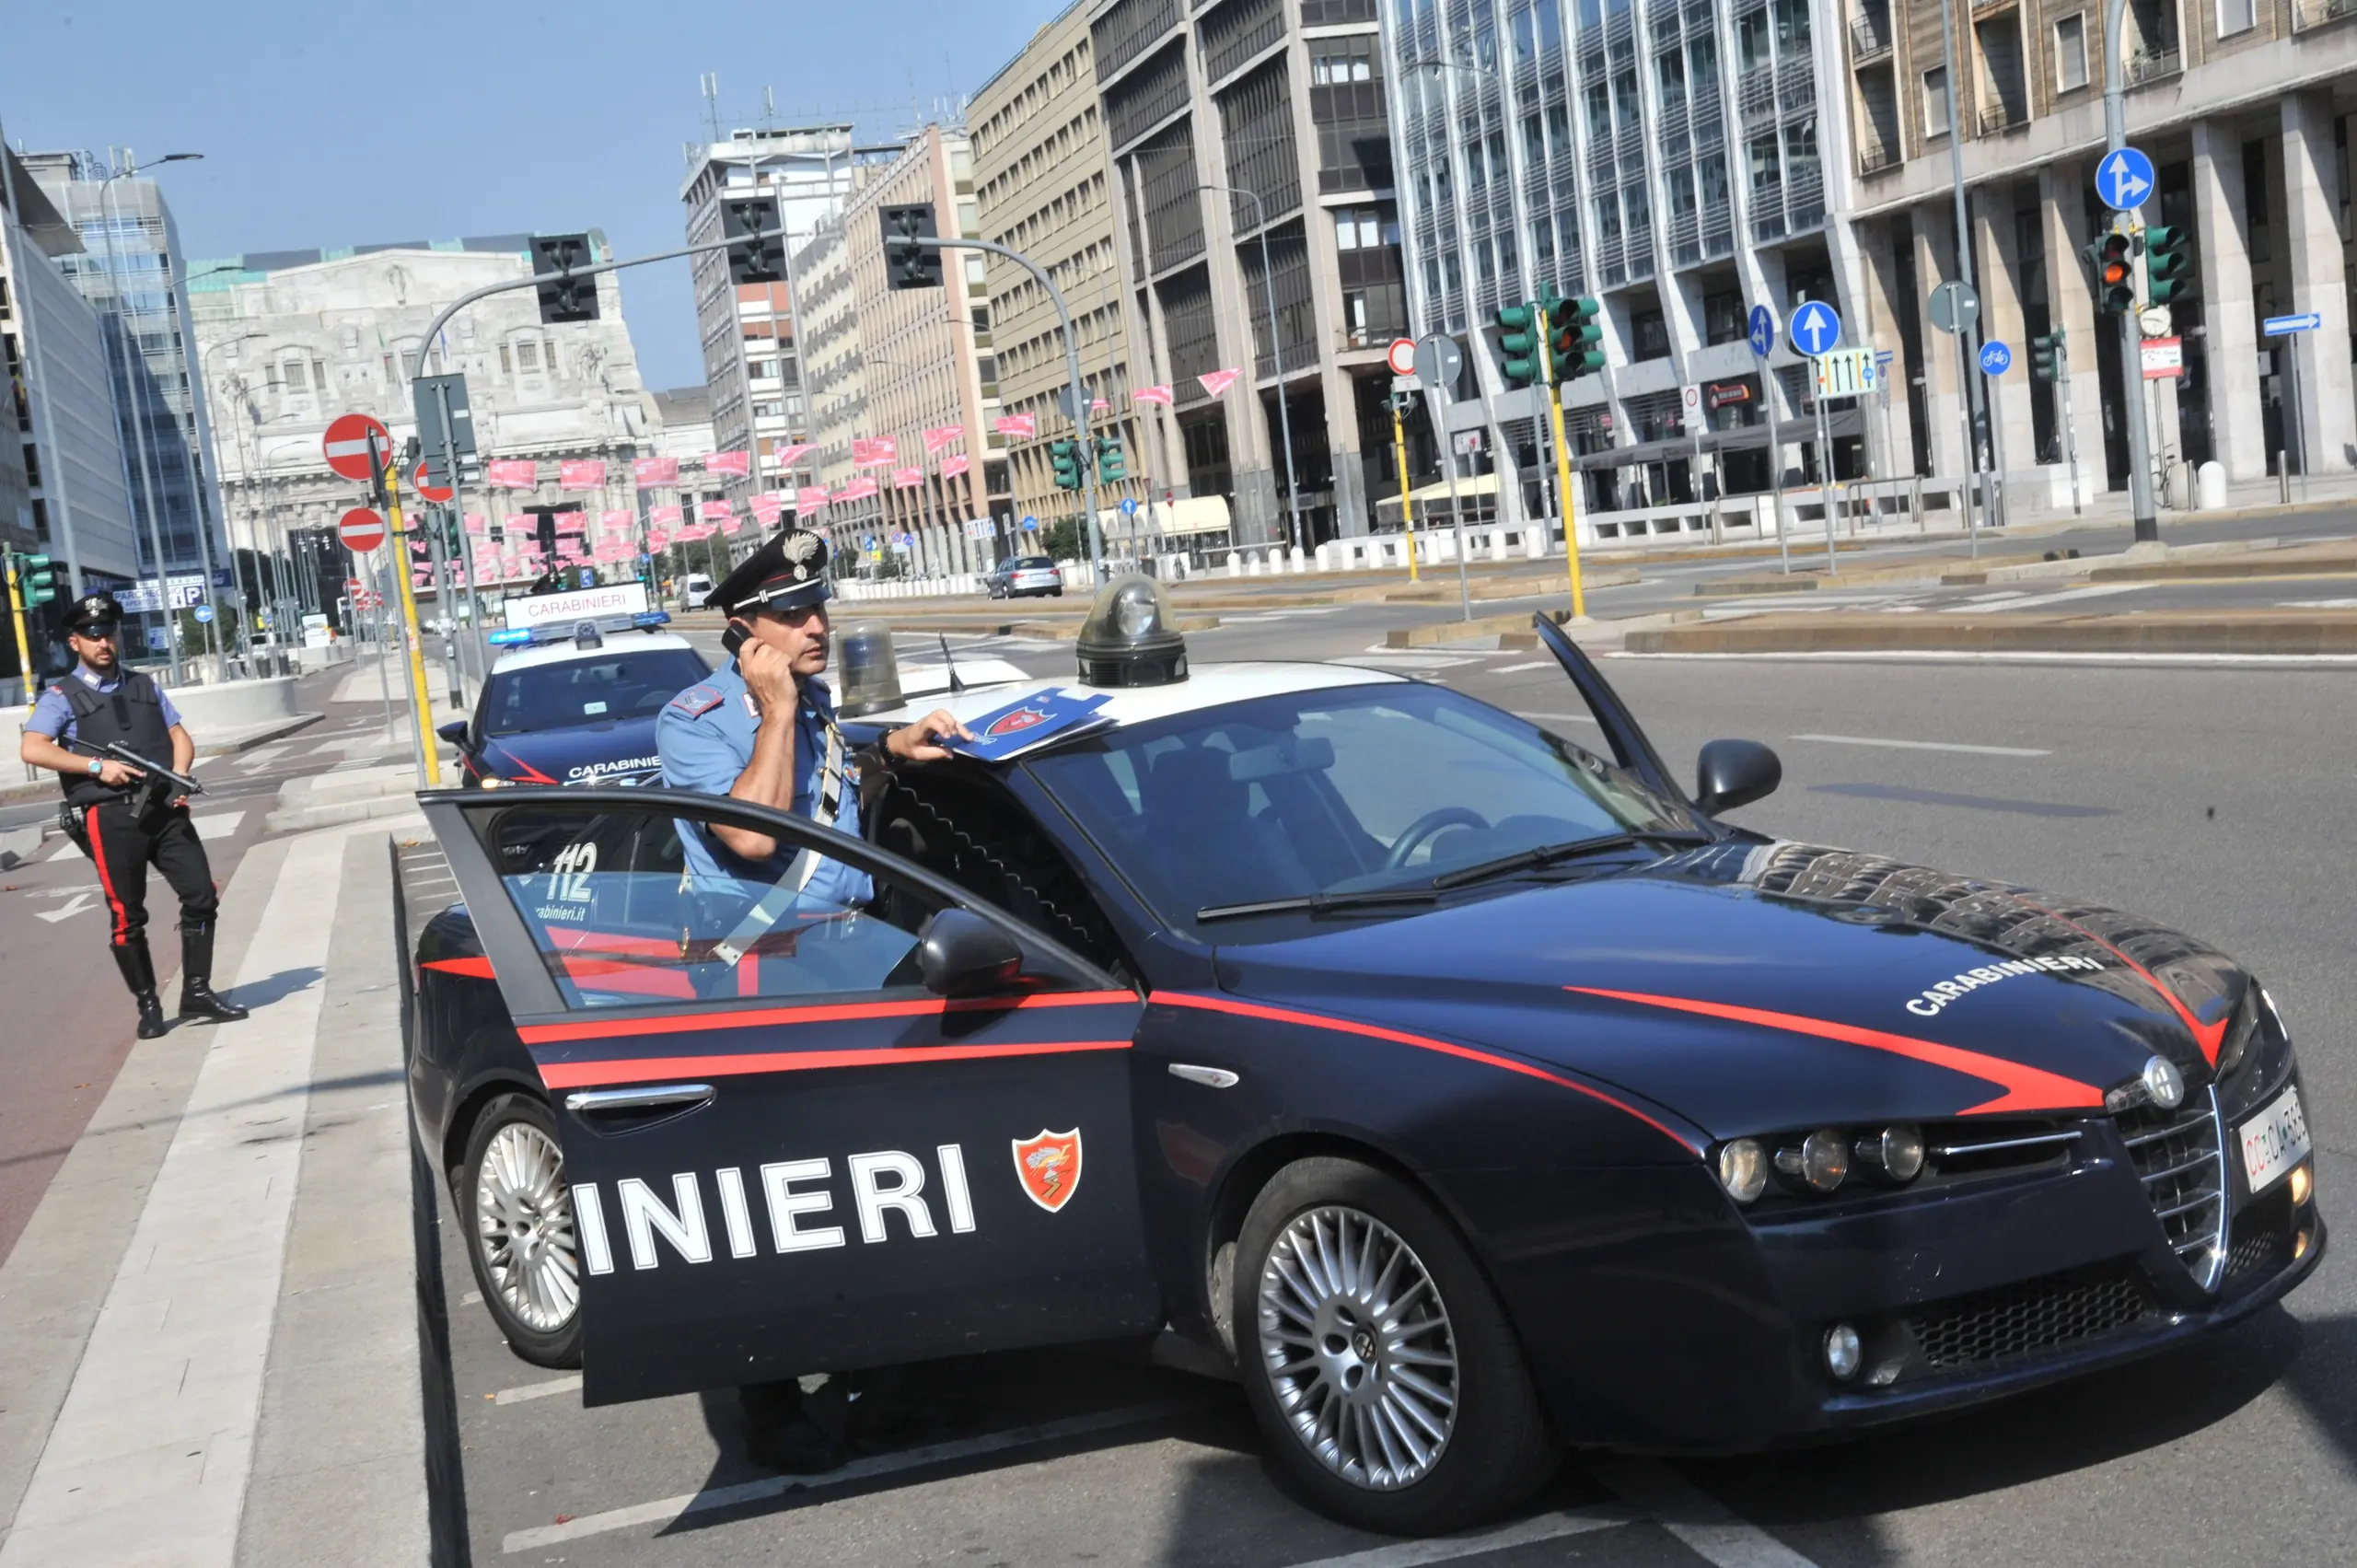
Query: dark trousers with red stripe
x=125, y=844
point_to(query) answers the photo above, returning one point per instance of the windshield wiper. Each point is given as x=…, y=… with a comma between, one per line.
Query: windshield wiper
x=1319, y=903
x=1549, y=854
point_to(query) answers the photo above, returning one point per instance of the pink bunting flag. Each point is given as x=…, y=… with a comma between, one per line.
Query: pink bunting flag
x=715, y=510
x=1099, y=405
x=614, y=521
x=1219, y=381
x=478, y=525
x=942, y=435
x=516, y=523
x=513, y=474
x=1152, y=395
x=786, y=456
x=857, y=490
x=811, y=498
x=878, y=452
x=648, y=472
x=570, y=522
x=1024, y=425
x=696, y=531
x=954, y=466
x=581, y=473
x=767, y=507
x=658, y=539
x=738, y=463
x=665, y=516
x=907, y=479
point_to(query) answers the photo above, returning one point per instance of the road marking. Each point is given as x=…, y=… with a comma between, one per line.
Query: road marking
x=219, y=825
x=255, y=761
x=1448, y=1549
x=1962, y=656
x=73, y=906
x=64, y=849
x=1519, y=669
x=664, y=1510
x=1923, y=745
x=2039, y=601
x=1699, y=1520
x=536, y=1390
x=2317, y=604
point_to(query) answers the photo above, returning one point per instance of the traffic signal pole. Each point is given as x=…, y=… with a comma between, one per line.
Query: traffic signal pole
x=16, y=615
x=1407, y=504
x=1563, y=466
x=421, y=702
x=2132, y=361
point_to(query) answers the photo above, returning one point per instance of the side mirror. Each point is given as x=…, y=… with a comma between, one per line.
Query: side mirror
x=455, y=732
x=1734, y=773
x=964, y=955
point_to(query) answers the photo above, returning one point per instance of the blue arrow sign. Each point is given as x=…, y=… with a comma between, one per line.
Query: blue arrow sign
x=1129, y=507
x=2277, y=326
x=2124, y=179
x=1763, y=331
x=204, y=613
x=1816, y=329
x=1995, y=359
x=1030, y=524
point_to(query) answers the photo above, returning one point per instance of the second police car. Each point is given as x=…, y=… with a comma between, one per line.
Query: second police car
x=574, y=701
x=1474, y=1094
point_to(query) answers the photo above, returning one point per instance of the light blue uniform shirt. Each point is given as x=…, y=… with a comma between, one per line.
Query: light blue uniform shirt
x=705, y=735
x=52, y=715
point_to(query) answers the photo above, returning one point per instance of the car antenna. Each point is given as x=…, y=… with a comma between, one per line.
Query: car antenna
x=956, y=685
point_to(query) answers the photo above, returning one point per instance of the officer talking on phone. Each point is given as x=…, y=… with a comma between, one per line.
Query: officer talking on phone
x=126, y=817
x=762, y=730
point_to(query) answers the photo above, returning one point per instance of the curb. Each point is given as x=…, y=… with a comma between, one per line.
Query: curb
x=2225, y=634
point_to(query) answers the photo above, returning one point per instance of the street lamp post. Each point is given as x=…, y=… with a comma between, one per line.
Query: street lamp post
x=245, y=614
x=138, y=413
x=1276, y=352
x=2147, y=522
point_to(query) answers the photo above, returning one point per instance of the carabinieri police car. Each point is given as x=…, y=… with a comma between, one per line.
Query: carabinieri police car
x=575, y=703
x=1475, y=1094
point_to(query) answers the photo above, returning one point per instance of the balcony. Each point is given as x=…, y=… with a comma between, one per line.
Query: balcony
x=1869, y=36
x=2152, y=65
x=2309, y=14
x=1876, y=159
x=2002, y=116
x=1755, y=91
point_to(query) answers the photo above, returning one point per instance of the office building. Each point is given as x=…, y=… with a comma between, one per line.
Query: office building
x=1665, y=157
x=1042, y=185
x=131, y=270
x=1228, y=124
x=752, y=362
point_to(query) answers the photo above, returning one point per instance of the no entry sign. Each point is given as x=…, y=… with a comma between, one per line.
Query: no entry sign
x=346, y=445
x=361, y=530
x=437, y=494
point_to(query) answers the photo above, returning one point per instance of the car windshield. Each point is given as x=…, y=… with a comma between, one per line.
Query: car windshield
x=620, y=683
x=1033, y=564
x=1335, y=794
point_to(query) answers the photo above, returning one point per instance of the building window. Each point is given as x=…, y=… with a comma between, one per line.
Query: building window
x=507, y=363
x=1767, y=170
x=1936, y=102
x=293, y=376
x=1724, y=318
x=1649, y=331
x=1362, y=228
x=2236, y=16
x=2071, y=50
x=528, y=357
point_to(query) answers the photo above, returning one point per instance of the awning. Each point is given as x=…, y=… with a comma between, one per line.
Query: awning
x=1480, y=487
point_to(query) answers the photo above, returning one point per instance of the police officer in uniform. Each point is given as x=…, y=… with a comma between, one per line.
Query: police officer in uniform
x=762, y=730
x=125, y=819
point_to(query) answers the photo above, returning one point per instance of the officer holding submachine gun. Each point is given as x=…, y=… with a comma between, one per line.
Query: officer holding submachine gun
x=106, y=732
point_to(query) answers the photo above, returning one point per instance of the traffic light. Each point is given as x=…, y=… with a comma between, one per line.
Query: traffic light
x=2113, y=256
x=563, y=296
x=1575, y=342
x=2168, y=265
x=1518, y=341
x=2049, y=357
x=1064, y=457
x=756, y=249
x=1112, y=466
x=906, y=263
x=36, y=582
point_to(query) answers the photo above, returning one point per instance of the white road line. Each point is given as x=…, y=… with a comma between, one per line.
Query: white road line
x=1923, y=745
x=536, y=1390
x=1519, y=669
x=255, y=761
x=65, y=847
x=1962, y=656
x=664, y=1510
x=2317, y=604
x=2039, y=601
x=219, y=825
x=1705, y=1525
x=1448, y=1549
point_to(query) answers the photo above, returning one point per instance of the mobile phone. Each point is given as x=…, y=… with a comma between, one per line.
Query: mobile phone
x=738, y=634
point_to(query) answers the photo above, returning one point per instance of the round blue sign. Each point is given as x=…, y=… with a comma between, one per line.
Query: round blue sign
x=204, y=613
x=2124, y=179
x=1995, y=359
x=1763, y=331
x=1129, y=507
x=1816, y=329
x=1030, y=525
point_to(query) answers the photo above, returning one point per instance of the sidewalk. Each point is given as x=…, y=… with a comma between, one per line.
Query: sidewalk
x=209, y=1331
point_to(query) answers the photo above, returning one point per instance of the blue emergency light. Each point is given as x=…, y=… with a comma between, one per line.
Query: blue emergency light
x=583, y=633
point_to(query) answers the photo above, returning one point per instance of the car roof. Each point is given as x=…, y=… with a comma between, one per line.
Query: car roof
x=565, y=653
x=1207, y=686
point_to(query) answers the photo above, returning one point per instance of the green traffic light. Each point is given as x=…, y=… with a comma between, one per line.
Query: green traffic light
x=1515, y=317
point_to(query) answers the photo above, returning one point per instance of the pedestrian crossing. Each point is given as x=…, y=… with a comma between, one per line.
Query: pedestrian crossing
x=211, y=827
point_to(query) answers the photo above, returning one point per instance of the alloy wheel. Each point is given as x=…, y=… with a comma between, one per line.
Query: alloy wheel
x=524, y=1224
x=1357, y=1344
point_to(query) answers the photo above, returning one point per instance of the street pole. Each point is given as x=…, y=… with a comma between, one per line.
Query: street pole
x=384, y=649
x=2070, y=426
x=1569, y=506
x=1407, y=502
x=421, y=700
x=137, y=411
x=2131, y=360
x=16, y=615
x=1456, y=522
x=1768, y=390
x=1969, y=387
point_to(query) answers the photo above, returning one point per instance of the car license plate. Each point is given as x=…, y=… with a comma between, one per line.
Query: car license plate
x=2274, y=1141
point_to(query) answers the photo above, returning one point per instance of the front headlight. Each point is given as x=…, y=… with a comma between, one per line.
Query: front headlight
x=487, y=781
x=1743, y=1169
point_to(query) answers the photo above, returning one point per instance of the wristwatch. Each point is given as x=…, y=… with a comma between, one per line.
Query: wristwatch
x=97, y=766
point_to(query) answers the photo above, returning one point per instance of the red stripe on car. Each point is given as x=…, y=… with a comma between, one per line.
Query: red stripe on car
x=2027, y=1088
x=590, y=1074
x=2209, y=1037
x=830, y=1013
x=1421, y=1042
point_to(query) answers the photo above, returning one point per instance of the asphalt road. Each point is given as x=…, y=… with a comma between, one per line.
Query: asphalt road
x=70, y=1023
x=2210, y=798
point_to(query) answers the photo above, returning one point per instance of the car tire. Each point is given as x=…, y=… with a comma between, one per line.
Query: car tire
x=1347, y=1387
x=519, y=1213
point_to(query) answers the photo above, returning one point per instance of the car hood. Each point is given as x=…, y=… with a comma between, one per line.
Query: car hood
x=590, y=753
x=1752, y=987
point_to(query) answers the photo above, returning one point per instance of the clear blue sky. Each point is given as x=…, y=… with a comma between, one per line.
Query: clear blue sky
x=327, y=124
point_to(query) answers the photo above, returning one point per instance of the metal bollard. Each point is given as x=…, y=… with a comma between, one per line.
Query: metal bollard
x=2284, y=476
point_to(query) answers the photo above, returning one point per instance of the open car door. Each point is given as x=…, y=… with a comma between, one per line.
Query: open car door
x=861, y=1120
x=1631, y=749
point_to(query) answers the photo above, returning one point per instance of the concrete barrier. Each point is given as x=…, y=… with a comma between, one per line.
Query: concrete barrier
x=213, y=714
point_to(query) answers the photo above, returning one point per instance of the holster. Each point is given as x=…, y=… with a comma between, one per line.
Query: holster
x=69, y=818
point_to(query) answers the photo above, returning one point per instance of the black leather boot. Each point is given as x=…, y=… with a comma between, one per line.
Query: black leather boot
x=139, y=974
x=198, y=1003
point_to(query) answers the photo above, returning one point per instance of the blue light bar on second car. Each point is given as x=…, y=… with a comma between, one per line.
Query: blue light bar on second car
x=548, y=633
